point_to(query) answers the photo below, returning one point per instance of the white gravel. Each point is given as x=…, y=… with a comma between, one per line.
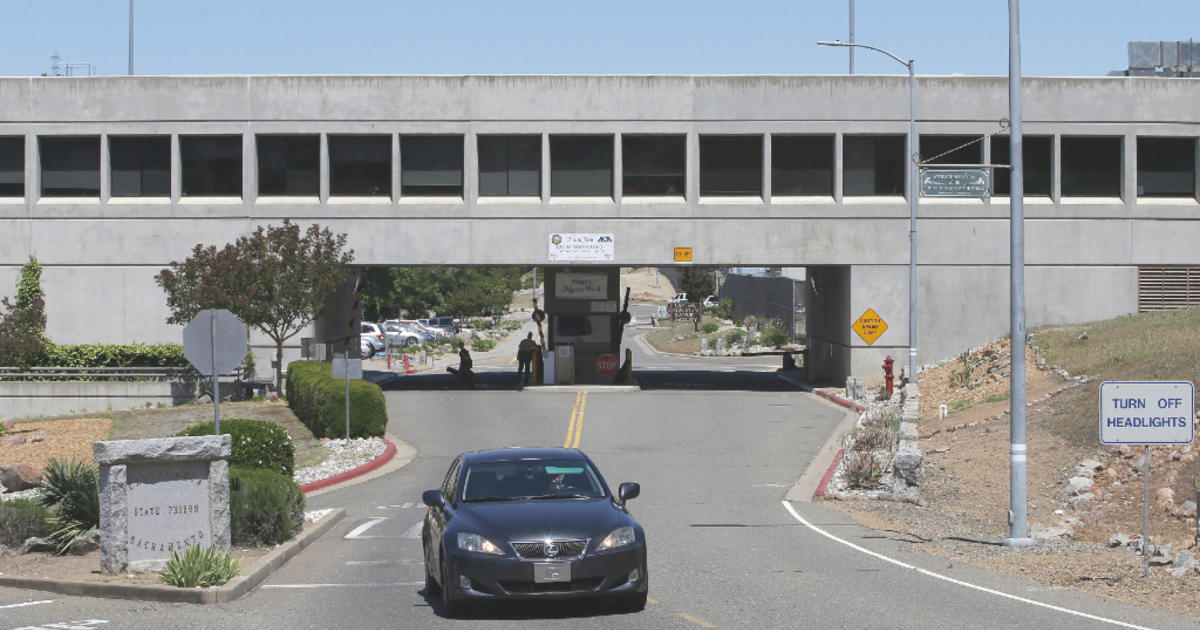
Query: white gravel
x=342, y=457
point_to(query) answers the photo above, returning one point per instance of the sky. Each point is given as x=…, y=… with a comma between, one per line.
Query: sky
x=198, y=37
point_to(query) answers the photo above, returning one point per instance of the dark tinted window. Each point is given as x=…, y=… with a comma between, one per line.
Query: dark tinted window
x=518, y=479
x=1036, y=157
x=802, y=165
x=1091, y=167
x=1166, y=167
x=12, y=167
x=731, y=165
x=653, y=165
x=938, y=149
x=581, y=166
x=510, y=166
x=360, y=166
x=211, y=165
x=873, y=165
x=288, y=165
x=431, y=166
x=141, y=166
x=70, y=166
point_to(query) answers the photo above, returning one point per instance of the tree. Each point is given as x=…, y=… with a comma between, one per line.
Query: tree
x=23, y=323
x=460, y=291
x=697, y=282
x=276, y=280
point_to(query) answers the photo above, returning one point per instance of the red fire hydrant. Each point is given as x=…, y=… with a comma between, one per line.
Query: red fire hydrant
x=887, y=373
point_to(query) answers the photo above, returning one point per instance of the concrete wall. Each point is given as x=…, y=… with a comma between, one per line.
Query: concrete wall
x=33, y=399
x=100, y=254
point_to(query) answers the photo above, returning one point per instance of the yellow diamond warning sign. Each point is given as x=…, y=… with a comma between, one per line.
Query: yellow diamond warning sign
x=869, y=326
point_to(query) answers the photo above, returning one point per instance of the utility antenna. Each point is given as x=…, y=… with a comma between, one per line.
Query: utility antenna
x=59, y=68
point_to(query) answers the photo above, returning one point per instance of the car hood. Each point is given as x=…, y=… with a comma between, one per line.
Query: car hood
x=559, y=519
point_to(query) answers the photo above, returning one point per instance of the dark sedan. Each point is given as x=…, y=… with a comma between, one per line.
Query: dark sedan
x=531, y=524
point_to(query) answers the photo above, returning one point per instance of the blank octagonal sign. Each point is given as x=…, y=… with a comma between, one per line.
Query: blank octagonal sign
x=230, y=336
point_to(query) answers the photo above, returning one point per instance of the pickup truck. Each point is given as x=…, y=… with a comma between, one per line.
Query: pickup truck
x=679, y=297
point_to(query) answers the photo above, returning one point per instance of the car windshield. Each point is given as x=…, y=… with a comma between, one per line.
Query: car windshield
x=531, y=479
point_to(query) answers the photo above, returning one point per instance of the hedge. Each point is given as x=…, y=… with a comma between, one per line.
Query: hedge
x=266, y=508
x=115, y=355
x=256, y=443
x=319, y=401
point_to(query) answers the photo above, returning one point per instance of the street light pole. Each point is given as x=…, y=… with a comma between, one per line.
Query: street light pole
x=913, y=193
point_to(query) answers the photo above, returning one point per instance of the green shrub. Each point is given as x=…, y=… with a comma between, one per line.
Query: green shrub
x=256, y=443
x=772, y=337
x=724, y=309
x=482, y=345
x=115, y=355
x=200, y=567
x=874, y=440
x=72, y=490
x=319, y=401
x=709, y=328
x=266, y=508
x=480, y=324
x=452, y=341
x=21, y=519
x=735, y=336
x=862, y=470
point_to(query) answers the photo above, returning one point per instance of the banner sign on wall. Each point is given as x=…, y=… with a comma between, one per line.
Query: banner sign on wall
x=581, y=247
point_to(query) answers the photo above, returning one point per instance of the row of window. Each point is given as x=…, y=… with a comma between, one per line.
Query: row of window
x=580, y=165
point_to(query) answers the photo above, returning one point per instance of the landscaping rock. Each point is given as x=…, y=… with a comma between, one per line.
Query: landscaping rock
x=1161, y=555
x=1088, y=468
x=1164, y=498
x=12, y=440
x=18, y=477
x=37, y=544
x=908, y=431
x=1082, y=501
x=1078, y=485
x=1187, y=509
x=908, y=469
x=36, y=436
x=86, y=543
x=1040, y=532
x=8, y=424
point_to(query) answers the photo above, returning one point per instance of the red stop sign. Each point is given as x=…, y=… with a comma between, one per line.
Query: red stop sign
x=606, y=365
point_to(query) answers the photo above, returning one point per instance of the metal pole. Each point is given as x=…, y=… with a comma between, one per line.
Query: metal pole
x=131, y=37
x=347, y=358
x=1017, y=513
x=1146, y=511
x=851, y=37
x=212, y=339
x=913, y=193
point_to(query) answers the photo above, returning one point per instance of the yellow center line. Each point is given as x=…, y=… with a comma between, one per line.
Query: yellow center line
x=700, y=622
x=575, y=430
x=512, y=360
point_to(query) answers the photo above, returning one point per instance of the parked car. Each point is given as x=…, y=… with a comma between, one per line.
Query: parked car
x=531, y=524
x=679, y=297
x=445, y=324
x=400, y=336
x=711, y=301
x=371, y=339
x=437, y=333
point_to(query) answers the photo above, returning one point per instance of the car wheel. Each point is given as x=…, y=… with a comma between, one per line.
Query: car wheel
x=366, y=349
x=411, y=341
x=451, y=607
x=432, y=588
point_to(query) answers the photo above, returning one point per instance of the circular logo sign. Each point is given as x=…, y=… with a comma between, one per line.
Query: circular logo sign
x=551, y=550
x=606, y=365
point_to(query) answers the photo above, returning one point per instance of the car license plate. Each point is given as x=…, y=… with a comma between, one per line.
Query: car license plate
x=551, y=572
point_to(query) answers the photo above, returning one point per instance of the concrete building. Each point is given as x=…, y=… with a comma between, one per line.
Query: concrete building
x=107, y=179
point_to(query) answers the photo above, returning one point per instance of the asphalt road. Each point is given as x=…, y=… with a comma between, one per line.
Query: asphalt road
x=725, y=550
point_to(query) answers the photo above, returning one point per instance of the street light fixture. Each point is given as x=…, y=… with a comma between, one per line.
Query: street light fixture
x=912, y=202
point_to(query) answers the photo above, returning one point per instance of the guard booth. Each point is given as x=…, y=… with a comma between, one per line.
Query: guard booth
x=583, y=310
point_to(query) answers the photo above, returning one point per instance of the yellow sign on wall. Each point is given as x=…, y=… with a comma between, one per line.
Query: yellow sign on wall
x=683, y=254
x=869, y=326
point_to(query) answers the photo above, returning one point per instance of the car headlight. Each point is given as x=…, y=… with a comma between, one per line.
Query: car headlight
x=477, y=544
x=619, y=537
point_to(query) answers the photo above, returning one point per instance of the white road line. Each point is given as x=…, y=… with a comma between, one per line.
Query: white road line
x=24, y=604
x=951, y=580
x=414, y=531
x=357, y=532
x=375, y=563
x=368, y=585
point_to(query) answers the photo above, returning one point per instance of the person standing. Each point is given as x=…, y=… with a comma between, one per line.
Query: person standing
x=525, y=352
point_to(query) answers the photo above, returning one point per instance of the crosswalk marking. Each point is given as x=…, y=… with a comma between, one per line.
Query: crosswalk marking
x=357, y=532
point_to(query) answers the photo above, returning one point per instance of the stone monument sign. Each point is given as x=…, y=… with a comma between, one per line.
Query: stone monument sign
x=161, y=496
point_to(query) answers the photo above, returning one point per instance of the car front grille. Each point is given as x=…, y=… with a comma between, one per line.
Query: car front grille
x=589, y=584
x=537, y=550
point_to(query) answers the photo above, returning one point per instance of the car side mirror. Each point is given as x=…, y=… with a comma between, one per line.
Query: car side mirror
x=433, y=498
x=629, y=490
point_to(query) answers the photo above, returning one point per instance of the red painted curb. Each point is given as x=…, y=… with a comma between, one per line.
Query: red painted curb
x=829, y=474
x=383, y=458
x=841, y=401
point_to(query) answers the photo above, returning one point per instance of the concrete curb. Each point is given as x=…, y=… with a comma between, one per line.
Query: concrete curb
x=382, y=459
x=812, y=484
x=234, y=589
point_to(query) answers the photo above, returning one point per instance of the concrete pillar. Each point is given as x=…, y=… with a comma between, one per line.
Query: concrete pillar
x=618, y=187
x=249, y=170
x=1129, y=189
x=33, y=171
x=767, y=160
x=693, y=168
x=395, y=167
x=105, y=170
x=545, y=168
x=176, y=170
x=470, y=168
x=1056, y=168
x=838, y=167
x=331, y=326
x=323, y=168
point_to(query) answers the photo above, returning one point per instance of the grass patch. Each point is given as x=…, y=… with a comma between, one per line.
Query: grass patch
x=1161, y=345
x=994, y=398
x=962, y=405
